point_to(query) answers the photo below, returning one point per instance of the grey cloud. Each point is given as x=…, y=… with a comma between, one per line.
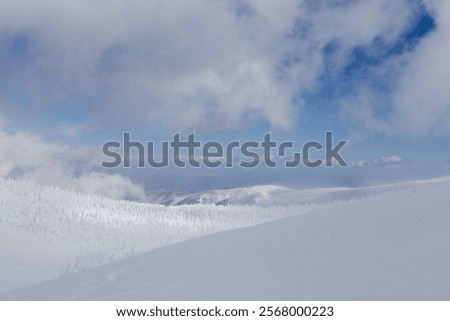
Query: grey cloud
x=205, y=65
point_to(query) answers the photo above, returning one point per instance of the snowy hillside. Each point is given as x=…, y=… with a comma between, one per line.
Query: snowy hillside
x=392, y=246
x=46, y=232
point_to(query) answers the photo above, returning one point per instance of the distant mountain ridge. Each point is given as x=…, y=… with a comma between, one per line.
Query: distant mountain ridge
x=274, y=195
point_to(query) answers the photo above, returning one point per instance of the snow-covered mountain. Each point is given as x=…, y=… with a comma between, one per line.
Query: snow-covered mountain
x=273, y=195
x=393, y=246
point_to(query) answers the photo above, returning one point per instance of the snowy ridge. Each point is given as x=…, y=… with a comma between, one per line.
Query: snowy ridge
x=390, y=247
x=273, y=195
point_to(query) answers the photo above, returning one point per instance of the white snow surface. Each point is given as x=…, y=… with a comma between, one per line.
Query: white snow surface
x=394, y=245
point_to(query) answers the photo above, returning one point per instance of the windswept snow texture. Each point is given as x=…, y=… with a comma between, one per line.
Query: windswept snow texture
x=394, y=246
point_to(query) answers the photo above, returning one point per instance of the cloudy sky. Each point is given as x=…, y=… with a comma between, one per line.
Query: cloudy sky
x=75, y=74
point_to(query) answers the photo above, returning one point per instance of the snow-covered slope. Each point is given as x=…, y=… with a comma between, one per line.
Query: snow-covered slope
x=46, y=232
x=392, y=246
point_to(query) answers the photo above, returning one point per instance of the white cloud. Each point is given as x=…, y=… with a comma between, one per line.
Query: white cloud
x=362, y=108
x=110, y=185
x=74, y=130
x=383, y=161
x=417, y=99
x=26, y=156
x=388, y=161
x=207, y=65
x=422, y=98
